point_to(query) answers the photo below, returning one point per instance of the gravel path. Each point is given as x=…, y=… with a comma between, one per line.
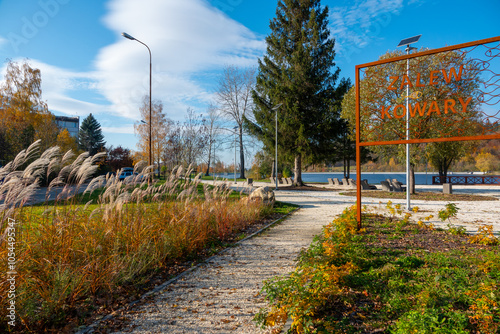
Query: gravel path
x=222, y=296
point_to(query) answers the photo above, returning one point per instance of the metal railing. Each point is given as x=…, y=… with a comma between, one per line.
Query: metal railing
x=467, y=179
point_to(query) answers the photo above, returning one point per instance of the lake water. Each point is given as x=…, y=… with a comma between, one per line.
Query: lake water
x=373, y=178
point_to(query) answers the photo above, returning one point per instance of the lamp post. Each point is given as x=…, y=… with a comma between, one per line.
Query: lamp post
x=407, y=42
x=276, y=146
x=124, y=34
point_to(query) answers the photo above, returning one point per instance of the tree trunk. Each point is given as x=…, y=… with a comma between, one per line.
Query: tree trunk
x=443, y=170
x=297, y=180
x=411, y=186
x=207, y=173
x=347, y=168
x=272, y=168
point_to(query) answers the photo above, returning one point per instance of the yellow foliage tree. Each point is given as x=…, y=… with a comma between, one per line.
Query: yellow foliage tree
x=487, y=162
x=24, y=116
x=66, y=142
x=392, y=164
x=159, y=128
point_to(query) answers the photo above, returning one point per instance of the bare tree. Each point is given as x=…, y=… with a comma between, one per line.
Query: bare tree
x=234, y=96
x=172, y=152
x=193, y=137
x=212, y=130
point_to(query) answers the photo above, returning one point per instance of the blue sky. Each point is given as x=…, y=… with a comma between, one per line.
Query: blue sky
x=88, y=67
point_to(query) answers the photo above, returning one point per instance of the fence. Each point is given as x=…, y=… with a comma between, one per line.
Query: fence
x=467, y=179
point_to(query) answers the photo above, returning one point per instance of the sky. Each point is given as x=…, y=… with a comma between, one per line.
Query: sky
x=88, y=67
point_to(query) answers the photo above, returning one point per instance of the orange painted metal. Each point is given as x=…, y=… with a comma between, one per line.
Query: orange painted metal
x=432, y=140
x=431, y=52
x=456, y=94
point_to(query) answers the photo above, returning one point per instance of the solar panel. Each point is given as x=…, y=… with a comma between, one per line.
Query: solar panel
x=408, y=41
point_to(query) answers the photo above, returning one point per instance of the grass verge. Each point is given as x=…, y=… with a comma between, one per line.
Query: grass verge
x=393, y=276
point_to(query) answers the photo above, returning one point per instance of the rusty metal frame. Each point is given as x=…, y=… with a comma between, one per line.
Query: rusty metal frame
x=359, y=144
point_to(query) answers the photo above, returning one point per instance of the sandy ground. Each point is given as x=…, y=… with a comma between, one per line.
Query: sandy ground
x=222, y=295
x=471, y=215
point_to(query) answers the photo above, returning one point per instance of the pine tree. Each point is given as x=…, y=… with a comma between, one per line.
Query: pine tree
x=90, y=136
x=298, y=73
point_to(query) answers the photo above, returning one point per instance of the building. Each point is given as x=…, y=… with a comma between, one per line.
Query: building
x=72, y=124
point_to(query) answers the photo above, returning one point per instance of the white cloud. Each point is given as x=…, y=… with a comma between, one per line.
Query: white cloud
x=3, y=41
x=190, y=41
x=58, y=86
x=59, y=83
x=186, y=38
x=357, y=26
x=118, y=129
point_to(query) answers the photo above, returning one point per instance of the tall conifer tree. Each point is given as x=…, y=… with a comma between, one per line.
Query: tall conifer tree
x=90, y=136
x=299, y=73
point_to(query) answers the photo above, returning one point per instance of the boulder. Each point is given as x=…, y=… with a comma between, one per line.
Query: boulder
x=264, y=194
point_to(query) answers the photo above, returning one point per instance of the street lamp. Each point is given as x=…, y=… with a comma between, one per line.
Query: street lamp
x=407, y=42
x=276, y=145
x=124, y=34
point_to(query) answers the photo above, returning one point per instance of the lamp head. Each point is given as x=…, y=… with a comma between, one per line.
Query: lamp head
x=124, y=34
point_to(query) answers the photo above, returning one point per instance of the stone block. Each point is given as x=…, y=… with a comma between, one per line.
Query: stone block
x=447, y=188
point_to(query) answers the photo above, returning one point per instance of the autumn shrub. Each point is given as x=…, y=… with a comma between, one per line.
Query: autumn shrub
x=484, y=236
x=70, y=254
x=317, y=281
x=450, y=211
x=394, y=276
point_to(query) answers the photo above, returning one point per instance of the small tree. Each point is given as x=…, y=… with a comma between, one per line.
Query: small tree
x=212, y=131
x=487, y=162
x=193, y=137
x=90, y=138
x=66, y=142
x=160, y=127
x=263, y=165
x=119, y=157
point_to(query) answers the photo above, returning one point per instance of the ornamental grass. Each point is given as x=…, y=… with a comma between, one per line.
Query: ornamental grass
x=68, y=254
